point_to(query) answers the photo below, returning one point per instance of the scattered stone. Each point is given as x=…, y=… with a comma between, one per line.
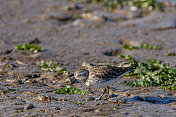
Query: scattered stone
x=174, y=94
x=90, y=99
x=20, y=62
x=30, y=81
x=117, y=93
x=64, y=99
x=12, y=65
x=67, y=80
x=92, y=17
x=59, y=17
x=73, y=116
x=44, y=98
x=35, y=41
x=79, y=22
x=19, y=109
x=28, y=107
x=121, y=101
x=97, y=110
x=14, y=81
x=144, y=90
x=57, y=108
x=72, y=7
x=29, y=93
x=162, y=96
x=127, y=94
x=33, y=75
x=2, y=63
x=132, y=42
x=87, y=109
x=19, y=103
x=36, y=54
x=6, y=51
x=58, y=86
x=112, y=52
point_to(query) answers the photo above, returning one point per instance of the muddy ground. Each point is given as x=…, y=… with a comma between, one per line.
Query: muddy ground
x=87, y=32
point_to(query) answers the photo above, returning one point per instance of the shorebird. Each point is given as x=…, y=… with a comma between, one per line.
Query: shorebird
x=100, y=76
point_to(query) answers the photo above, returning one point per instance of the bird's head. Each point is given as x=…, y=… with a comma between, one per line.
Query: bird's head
x=81, y=75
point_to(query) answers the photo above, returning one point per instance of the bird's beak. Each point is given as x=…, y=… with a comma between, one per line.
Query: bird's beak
x=72, y=79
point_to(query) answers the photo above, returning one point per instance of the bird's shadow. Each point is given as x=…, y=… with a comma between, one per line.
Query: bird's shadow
x=153, y=100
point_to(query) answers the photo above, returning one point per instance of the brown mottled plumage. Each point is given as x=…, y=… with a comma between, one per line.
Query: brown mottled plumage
x=100, y=76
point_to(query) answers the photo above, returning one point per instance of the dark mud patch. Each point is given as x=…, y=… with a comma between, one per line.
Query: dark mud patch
x=153, y=100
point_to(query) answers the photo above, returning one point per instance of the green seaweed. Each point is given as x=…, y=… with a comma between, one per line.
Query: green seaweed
x=152, y=73
x=149, y=46
x=126, y=57
x=8, y=91
x=112, y=4
x=143, y=46
x=29, y=47
x=148, y=4
x=171, y=53
x=69, y=90
x=52, y=67
x=78, y=102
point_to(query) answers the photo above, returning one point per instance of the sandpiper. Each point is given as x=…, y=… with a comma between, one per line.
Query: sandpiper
x=100, y=76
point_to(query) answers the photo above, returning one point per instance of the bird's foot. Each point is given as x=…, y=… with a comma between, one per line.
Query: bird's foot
x=99, y=98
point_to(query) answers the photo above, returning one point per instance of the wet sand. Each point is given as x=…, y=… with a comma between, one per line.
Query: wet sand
x=70, y=37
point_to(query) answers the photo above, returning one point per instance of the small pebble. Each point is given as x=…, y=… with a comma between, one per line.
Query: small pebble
x=97, y=110
x=144, y=90
x=20, y=62
x=29, y=93
x=36, y=54
x=30, y=81
x=127, y=94
x=161, y=96
x=72, y=7
x=42, y=98
x=79, y=22
x=35, y=41
x=57, y=108
x=92, y=17
x=112, y=52
x=73, y=116
x=11, y=65
x=14, y=81
x=2, y=64
x=63, y=99
x=59, y=17
x=28, y=107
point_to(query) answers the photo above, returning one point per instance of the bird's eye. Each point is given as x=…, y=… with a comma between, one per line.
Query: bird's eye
x=80, y=75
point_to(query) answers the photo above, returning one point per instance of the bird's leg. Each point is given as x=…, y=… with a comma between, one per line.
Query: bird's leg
x=91, y=91
x=108, y=89
x=99, y=98
x=108, y=92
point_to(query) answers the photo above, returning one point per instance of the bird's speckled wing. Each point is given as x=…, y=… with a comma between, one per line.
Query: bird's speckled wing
x=105, y=73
